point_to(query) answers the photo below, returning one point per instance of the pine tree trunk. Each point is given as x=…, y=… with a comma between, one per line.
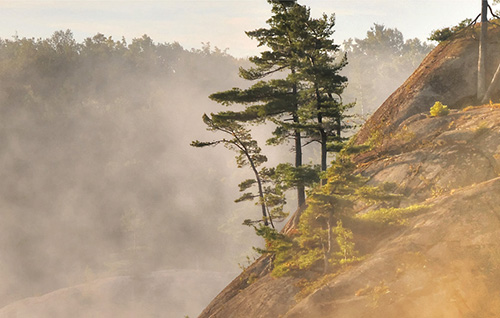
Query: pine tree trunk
x=324, y=153
x=265, y=216
x=339, y=128
x=323, y=135
x=481, y=65
x=301, y=192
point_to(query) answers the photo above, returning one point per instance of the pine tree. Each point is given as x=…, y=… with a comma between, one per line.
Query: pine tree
x=320, y=67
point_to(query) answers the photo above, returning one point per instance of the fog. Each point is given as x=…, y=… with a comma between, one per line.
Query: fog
x=378, y=64
x=98, y=178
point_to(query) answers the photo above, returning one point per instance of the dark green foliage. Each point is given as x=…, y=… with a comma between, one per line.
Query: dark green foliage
x=289, y=177
x=444, y=34
x=441, y=35
x=304, y=101
x=246, y=184
x=322, y=109
x=273, y=99
x=248, y=196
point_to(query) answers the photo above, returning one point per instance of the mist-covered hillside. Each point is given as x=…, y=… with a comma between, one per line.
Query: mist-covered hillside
x=98, y=177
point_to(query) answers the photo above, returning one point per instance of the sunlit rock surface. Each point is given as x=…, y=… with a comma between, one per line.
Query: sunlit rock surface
x=445, y=262
x=447, y=74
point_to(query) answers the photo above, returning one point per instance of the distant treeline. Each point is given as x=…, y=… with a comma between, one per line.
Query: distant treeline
x=59, y=69
x=378, y=64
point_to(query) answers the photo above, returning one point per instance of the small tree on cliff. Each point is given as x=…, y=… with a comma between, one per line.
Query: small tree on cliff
x=320, y=239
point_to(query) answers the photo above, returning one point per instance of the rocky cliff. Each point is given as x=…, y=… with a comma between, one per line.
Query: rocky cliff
x=447, y=74
x=444, y=261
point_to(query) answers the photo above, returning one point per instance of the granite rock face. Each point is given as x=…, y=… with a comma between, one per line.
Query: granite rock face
x=448, y=74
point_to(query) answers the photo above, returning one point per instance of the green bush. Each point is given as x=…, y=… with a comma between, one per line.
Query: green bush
x=439, y=109
x=393, y=216
x=441, y=35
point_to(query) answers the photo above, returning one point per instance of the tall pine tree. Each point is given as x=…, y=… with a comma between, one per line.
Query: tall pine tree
x=274, y=99
x=323, y=85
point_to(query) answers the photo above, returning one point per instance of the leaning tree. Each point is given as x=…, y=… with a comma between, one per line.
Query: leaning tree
x=238, y=138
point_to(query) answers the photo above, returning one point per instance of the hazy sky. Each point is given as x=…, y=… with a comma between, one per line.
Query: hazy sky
x=221, y=22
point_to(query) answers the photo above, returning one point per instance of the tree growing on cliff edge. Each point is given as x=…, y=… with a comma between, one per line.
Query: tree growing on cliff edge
x=323, y=110
x=248, y=154
x=302, y=59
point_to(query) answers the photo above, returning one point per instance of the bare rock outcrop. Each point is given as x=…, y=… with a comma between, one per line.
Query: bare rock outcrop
x=448, y=74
